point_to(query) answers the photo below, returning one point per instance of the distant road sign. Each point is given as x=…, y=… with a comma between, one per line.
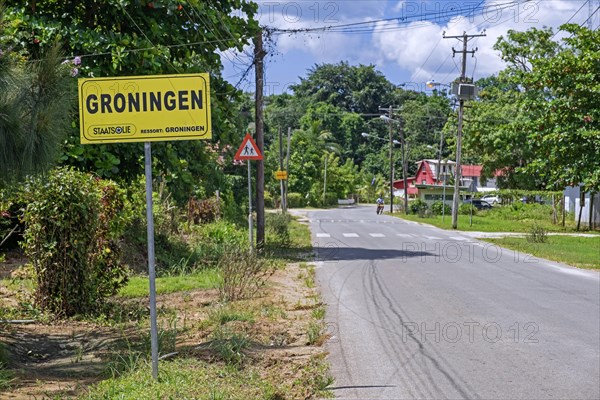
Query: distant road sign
x=144, y=108
x=281, y=175
x=248, y=150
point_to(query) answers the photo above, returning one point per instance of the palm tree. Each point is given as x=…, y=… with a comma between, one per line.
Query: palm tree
x=35, y=113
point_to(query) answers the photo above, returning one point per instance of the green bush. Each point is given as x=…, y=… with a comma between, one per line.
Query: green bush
x=296, y=200
x=214, y=240
x=269, y=201
x=278, y=228
x=330, y=199
x=537, y=234
x=438, y=206
x=232, y=210
x=417, y=206
x=467, y=209
x=74, y=222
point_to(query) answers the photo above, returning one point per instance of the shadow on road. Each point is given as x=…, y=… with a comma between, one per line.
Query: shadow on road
x=333, y=252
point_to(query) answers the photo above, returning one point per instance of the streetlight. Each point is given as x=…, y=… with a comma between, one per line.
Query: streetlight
x=403, y=143
x=432, y=84
x=392, y=143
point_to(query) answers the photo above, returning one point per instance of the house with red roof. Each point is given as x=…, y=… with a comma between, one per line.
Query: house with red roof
x=434, y=180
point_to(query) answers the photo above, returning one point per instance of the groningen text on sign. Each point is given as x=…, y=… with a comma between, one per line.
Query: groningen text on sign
x=144, y=108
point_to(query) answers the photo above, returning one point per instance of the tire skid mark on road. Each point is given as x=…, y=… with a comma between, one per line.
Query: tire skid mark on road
x=401, y=350
x=337, y=295
x=386, y=336
x=436, y=358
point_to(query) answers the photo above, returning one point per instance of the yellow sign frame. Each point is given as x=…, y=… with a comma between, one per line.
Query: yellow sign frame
x=144, y=108
x=281, y=175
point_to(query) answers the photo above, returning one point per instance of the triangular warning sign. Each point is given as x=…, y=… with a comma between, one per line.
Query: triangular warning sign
x=248, y=150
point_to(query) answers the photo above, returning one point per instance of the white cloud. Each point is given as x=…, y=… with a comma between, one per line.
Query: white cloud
x=408, y=49
x=420, y=50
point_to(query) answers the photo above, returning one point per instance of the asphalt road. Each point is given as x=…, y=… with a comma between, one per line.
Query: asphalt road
x=416, y=312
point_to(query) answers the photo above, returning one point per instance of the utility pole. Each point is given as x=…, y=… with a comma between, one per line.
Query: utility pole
x=281, y=169
x=287, y=168
x=259, y=55
x=390, y=110
x=461, y=106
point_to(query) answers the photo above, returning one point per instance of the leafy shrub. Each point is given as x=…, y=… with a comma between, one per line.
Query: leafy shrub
x=537, y=234
x=518, y=211
x=467, y=209
x=213, y=240
x=202, y=211
x=232, y=210
x=278, y=228
x=417, y=206
x=73, y=225
x=296, y=200
x=269, y=201
x=438, y=206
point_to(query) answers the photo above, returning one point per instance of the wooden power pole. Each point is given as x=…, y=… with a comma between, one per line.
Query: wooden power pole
x=259, y=55
x=463, y=75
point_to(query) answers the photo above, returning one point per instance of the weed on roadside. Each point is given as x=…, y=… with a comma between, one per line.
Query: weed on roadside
x=229, y=346
x=537, y=234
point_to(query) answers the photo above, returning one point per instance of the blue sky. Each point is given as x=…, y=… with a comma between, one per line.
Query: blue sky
x=407, y=47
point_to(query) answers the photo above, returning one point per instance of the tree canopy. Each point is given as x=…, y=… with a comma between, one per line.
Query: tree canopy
x=537, y=122
x=121, y=38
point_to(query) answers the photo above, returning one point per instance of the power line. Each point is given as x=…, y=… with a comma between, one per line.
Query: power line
x=370, y=26
x=572, y=16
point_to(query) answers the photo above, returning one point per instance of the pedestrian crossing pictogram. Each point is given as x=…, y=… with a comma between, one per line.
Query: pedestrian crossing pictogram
x=248, y=150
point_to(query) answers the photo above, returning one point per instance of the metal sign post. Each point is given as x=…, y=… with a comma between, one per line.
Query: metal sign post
x=151, y=266
x=249, y=151
x=250, y=228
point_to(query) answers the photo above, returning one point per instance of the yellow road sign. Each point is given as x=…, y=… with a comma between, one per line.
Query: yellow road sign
x=281, y=175
x=144, y=108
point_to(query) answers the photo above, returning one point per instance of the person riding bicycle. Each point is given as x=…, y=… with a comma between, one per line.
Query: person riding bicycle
x=380, y=204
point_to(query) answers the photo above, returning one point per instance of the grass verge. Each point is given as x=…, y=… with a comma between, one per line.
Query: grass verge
x=489, y=222
x=137, y=286
x=582, y=252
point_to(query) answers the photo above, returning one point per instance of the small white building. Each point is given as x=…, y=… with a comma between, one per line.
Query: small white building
x=573, y=198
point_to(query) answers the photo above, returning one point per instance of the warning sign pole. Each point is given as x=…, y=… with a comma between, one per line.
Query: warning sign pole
x=250, y=229
x=249, y=151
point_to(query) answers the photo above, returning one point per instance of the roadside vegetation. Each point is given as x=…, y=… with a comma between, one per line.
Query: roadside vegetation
x=514, y=217
x=582, y=252
x=232, y=323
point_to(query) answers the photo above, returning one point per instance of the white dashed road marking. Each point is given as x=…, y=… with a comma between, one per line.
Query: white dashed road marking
x=350, y=234
x=377, y=234
x=323, y=235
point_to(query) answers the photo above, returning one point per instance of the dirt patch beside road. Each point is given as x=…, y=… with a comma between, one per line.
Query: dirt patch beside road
x=64, y=358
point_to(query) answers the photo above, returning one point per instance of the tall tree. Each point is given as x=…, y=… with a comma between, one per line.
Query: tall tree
x=122, y=37
x=566, y=125
x=538, y=122
x=35, y=104
x=360, y=89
